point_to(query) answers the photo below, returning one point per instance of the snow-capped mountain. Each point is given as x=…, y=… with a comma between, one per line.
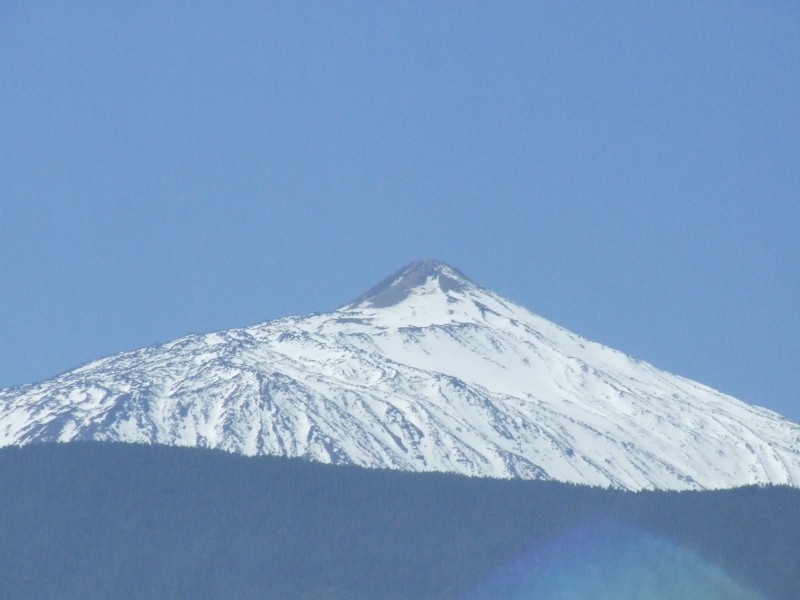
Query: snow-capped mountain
x=428, y=371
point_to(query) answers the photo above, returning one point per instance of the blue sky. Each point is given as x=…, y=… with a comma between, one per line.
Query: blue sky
x=627, y=170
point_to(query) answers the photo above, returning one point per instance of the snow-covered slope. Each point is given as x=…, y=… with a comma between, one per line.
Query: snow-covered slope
x=427, y=371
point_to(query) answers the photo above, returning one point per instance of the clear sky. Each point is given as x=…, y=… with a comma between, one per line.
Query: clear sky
x=629, y=170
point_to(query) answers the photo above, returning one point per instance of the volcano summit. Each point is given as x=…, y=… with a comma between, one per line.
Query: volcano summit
x=427, y=371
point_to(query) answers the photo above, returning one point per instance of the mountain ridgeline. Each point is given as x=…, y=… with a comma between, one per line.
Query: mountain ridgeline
x=86, y=521
x=428, y=371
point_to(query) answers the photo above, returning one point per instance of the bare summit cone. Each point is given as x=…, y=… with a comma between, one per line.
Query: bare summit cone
x=427, y=371
x=414, y=276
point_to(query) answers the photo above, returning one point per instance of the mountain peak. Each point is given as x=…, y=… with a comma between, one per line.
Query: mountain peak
x=449, y=377
x=397, y=287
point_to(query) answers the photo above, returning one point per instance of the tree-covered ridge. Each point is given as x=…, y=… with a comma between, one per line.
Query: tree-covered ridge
x=124, y=521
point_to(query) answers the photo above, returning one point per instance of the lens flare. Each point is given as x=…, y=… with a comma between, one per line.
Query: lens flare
x=610, y=561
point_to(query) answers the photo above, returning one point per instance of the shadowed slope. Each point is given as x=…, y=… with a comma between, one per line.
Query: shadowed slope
x=86, y=521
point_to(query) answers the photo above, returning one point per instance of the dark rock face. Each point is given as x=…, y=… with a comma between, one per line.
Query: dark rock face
x=397, y=287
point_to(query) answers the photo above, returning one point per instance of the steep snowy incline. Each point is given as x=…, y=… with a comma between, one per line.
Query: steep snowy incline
x=427, y=371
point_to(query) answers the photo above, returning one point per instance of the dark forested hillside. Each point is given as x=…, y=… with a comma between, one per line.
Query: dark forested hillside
x=123, y=521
